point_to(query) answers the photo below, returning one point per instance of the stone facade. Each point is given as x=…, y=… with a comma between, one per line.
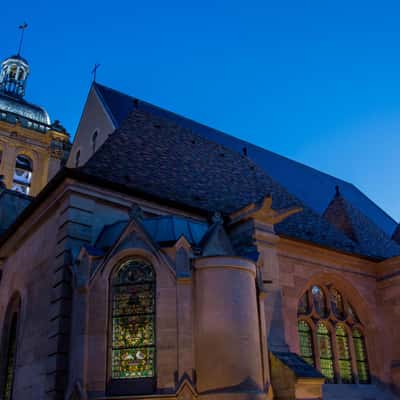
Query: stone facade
x=233, y=256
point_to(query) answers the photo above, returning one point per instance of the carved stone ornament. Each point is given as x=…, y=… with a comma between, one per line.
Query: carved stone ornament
x=262, y=211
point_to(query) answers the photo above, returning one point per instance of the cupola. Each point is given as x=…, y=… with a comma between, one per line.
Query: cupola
x=13, y=76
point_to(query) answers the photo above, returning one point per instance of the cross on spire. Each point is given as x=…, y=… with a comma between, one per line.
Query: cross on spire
x=22, y=28
x=94, y=71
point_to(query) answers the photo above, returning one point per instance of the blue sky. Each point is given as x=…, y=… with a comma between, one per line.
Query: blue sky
x=316, y=82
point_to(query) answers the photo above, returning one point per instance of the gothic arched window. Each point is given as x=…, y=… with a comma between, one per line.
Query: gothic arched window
x=343, y=349
x=133, y=321
x=306, y=342
x=330, y=332
x=319, y=300
x=361, y=356
x=325, y=351
x=8, y=350
x=11, y=353
x=22, y=174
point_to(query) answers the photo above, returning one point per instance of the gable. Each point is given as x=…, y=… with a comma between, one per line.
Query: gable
x=95, y=118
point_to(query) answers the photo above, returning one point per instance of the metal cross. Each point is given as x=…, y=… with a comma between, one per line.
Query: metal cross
x=94, y=71
x=22, y=27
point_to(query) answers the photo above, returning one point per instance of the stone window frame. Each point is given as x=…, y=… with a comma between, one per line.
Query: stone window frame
x=29, y=157
x=13, y=310
x=130, y=386
x=331, y=321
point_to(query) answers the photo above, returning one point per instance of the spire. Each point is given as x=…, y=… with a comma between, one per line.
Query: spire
x=21, y=40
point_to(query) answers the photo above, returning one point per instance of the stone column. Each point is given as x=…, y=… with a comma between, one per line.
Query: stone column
x=228, y=354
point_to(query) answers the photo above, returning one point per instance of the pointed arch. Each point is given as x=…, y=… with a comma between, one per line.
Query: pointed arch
x=331, y=325
x=9, y=347
x=133, y=331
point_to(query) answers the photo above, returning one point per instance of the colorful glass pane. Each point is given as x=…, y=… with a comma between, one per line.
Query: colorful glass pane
x=342, y=343
x=10, y=361
x=306, y=342
x=337, y=303
x=352, y=313
x=304, y=306
x=325, y=352
x=361, y=356
x=133, y=321
x=319, y=300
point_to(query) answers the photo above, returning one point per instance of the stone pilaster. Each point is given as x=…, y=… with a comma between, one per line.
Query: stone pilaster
x=74, y=231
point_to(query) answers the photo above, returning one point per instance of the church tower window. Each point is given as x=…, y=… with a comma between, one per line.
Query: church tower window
x=22, y=174
x=133, y=321
x=330, y=334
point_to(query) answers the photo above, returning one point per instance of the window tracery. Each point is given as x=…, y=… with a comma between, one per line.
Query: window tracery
x=327, y=317
x=133, y=321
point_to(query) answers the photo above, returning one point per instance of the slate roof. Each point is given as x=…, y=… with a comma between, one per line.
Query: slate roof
x=314, y=188
x=300, y=368
x=164, y=230
x=12, y=204
x=396, y=234
x=164, y=160
x=370, y=238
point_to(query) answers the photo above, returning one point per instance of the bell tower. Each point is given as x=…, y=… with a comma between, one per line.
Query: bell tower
x=32, y=147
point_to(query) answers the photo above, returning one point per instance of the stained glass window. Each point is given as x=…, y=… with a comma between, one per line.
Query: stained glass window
x=361, y=356
x=10, y=361
x=306, y=342
x=133, y=321
x=337, y=303
x=325, y=352
x=344, y=358
x=319, y=300
x=352, y=313
x=304, y=306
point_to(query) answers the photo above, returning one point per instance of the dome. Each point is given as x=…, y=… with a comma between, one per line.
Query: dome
x=22, y=108
x=17, y=57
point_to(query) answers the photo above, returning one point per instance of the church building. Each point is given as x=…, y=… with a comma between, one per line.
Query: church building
x=168, y=260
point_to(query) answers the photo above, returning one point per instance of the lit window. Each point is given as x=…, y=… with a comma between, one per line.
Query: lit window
x=361, y=356
x=306, y=342
x=325, y=352
x=133, y=321
x=315, y=336
x=22, y=174
x=342, y=342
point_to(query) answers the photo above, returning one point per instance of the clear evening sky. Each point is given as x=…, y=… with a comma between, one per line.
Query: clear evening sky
x=316, y=81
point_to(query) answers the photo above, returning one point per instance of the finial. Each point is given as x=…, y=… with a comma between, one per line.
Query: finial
x=22, y=28
x=94, y=71
x=337, y=191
